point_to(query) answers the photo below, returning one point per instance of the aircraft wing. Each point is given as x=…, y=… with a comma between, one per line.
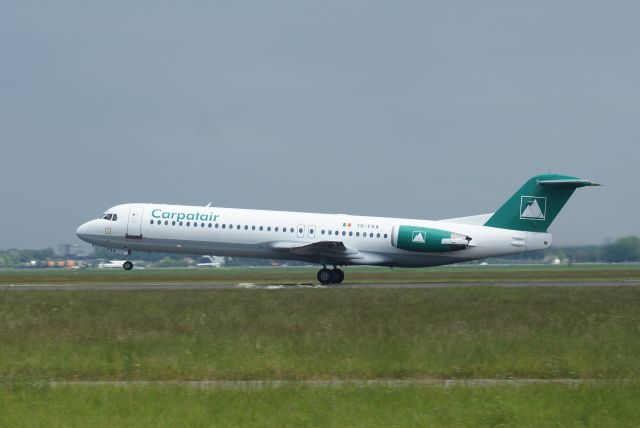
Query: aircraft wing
x=333, y=250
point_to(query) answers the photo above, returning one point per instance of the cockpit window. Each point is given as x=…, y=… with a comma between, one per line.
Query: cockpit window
x=111, y=217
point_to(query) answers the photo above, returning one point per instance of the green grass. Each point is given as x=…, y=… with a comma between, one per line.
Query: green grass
x=468, y=332
x=293, y=406
x=329, y=333
x=354, y=275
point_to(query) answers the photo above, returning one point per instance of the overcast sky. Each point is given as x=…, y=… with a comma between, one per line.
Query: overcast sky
x=406, y=109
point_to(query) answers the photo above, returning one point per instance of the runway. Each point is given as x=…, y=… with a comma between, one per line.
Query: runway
x=251, y=286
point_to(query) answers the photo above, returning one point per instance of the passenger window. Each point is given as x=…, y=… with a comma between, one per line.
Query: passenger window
x=357, y=233
x=181, y=223
x=377, y=235
x=217, y=225
x=261, y=228
x=253, y=228
x=344, y=233
x=385, y=236
x=166, y=222
x=188, y=223
x=276, y=229
x=210, y=225
x=224, y=226
x=322, y=232
x=173, y=223
x=238, y=227
x=371, y=235
x=151, y=222
x=269, y=229
x=350, y=233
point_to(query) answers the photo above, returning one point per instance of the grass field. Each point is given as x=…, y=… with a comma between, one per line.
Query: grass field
x=307, y=275
x=324, y=333
x=469, y=332
x=295, y=406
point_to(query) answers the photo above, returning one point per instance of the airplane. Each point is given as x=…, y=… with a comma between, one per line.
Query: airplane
x=208, y=261
x=519, y=225
x=111, y=264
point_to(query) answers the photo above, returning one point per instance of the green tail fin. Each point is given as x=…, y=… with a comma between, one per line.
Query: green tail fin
x=534, y=207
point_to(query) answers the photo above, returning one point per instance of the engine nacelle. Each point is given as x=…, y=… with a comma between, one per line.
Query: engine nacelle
x=428, y=240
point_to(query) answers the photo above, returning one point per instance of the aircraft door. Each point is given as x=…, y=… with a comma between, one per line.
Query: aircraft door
x=311, y=231
x=134, y=225
x=301, y=231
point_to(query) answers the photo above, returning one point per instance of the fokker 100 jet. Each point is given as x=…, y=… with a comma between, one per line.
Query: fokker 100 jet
x=337, y=239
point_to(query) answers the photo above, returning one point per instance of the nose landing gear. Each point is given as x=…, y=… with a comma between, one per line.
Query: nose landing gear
x=333, y=276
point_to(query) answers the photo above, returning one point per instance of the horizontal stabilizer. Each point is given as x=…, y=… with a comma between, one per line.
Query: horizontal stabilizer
x=568, y=183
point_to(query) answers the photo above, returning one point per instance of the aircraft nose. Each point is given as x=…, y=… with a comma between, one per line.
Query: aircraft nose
x=83, y=231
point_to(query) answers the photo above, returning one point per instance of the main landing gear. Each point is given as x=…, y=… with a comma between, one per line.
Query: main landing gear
x=330, y=276
x=127, y=265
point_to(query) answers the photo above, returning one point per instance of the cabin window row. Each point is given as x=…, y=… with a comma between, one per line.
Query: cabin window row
x=261, y=228
x=356, y=234
x=221, y=226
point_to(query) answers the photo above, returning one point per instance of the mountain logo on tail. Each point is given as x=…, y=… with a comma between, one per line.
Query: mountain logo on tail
x=533, y=207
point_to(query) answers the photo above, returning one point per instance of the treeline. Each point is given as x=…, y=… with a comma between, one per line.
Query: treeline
x=178, y=259
x=17, y=258
x=625, y=249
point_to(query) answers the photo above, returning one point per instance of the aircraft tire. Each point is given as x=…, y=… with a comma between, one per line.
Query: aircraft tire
x=324, y=276
x=337, y=276
x=127, y=265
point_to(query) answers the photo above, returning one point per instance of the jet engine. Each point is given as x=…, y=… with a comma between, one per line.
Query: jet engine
x=428, y=240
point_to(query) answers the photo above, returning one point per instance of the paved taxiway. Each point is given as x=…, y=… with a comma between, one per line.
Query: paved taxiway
x=125, y=287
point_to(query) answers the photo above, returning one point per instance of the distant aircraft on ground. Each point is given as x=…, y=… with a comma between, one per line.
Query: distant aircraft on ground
x=210, y=262
x=337, y=239
x=111, y=264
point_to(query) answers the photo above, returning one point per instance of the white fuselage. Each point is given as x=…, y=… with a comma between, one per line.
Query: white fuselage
x=292, y=235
